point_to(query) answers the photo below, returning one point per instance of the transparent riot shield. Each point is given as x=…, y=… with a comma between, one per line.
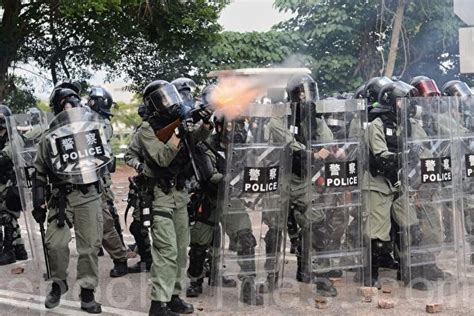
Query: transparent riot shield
x=428, y=208
x=78, y=147
x=465, y=138
x=25, y=131
x=253, y=201
x=333, y=248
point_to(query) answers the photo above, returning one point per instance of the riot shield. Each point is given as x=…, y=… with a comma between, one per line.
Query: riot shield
x=78, y=148
x=333, y=252
x=253, y=201
x=465, y=139
x=431, y=242
x=25, y=131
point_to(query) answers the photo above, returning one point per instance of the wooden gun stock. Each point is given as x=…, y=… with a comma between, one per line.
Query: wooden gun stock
x=165, y=133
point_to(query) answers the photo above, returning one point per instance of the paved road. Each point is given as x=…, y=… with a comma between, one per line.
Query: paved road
x=24, y=294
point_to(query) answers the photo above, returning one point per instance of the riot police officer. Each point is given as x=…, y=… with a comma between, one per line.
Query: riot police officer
x=13, y=247
x=383, y=199
x=167, y=167
x=307, y=125
x=69, y=205
x=186, y=88
x=100, y=101
x=134, y=158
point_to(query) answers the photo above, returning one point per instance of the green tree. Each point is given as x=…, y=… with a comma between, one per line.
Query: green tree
x=349, y=40
x=126, y=114
x=22, y=97
x=69, y=38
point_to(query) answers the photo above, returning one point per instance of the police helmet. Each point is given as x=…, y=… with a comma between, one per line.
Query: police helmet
x=389, y=93
x=4, y=112
x=70, y=84
x=206, y=93
x=34, y=114
x=373, y=86
x=426, y=86
x=160, y=96
x=184, y=83
x=456, y=88
x=61, y=97
x=100, y=100
x=302, y=88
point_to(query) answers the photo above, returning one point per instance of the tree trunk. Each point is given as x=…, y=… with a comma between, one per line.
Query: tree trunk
x=8, y=43
x=397, y=29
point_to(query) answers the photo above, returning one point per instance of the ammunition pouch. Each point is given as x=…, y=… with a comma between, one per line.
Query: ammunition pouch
x=299, y=161
x=387, y=167
x=199, y=209
x=58, y=201
x=67, y=188
x=166, y=184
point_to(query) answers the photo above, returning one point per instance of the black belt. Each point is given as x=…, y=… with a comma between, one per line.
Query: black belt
x=69, y=187
x=161, y=213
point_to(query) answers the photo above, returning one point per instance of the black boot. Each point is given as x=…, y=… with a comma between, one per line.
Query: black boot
x=293, y=245
x=248, y=292
x=140, y=266
x=120, y=269
x=387, y=261
x=302, y=273
x=20, y=252
x=417, y=279
x=158, y=308
x=330, y=274
x=380, y=249
x=1, y=237
x=54, y=297
x=433, y=273
x=7, y=256
x=197, y=256
x=271, y=283
x=195, y=288
x=179, y=306
x=88, y=302
x=228, y=282
x=292, y=229
x=325, y=287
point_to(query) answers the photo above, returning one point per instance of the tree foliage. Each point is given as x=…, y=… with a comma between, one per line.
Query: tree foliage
x=22, y=98
x=71, y=38
x=349, y=40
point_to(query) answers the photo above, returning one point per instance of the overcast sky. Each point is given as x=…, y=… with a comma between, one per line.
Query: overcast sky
x=238, y=16
x=250, y=15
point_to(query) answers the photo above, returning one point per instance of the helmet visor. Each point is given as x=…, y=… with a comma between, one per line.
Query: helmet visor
x=164, y=97
x=428, y=88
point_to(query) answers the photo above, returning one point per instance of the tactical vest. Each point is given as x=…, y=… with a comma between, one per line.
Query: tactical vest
x=389, y=128
x=390, y=169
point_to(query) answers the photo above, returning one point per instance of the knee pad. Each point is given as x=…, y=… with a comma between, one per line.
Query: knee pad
x=198, y=251
x=380, y=247
x=135, y=228
x=271, y=236
x=246, y=240
x=5, y=218
x=12, y=200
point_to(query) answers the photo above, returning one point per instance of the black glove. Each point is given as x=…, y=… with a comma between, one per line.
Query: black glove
x=39, y=214
x=202, y=114
x=140, y=168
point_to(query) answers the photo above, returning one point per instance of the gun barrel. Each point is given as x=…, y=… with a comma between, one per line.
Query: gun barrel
x=45, y=251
